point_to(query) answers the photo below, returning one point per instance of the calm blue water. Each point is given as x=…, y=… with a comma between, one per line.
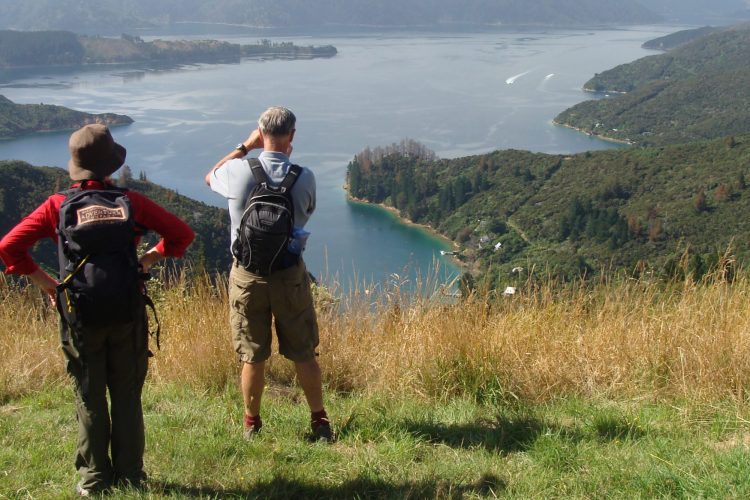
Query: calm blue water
x=460, y=94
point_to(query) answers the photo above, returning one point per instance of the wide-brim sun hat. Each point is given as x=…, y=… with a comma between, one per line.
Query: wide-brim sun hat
x=94, y=154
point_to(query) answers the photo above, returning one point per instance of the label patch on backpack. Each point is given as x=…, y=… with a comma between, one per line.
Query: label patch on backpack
x=98, y=213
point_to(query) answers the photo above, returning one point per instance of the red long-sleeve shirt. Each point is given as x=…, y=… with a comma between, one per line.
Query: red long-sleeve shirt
x=43, y=222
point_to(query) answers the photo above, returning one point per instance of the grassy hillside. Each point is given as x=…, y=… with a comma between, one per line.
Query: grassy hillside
x=622, y=390
x=696, y=91
x=574, y=214
x=24, y=187
x=21, y=119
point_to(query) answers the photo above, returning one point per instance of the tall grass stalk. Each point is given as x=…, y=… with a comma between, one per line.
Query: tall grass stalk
x=624, y=338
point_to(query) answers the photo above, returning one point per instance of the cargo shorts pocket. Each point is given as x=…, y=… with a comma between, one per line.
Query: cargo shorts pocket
x=298, y=294
x=239, y=296
x=249, y=316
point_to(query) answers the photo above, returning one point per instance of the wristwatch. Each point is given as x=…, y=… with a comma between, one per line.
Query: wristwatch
x=241, y=147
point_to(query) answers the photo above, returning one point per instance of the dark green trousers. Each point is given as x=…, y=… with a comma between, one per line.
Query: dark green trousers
x=115, y=359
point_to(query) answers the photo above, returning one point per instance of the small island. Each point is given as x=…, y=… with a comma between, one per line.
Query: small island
x=24, y=49
x=22, y=119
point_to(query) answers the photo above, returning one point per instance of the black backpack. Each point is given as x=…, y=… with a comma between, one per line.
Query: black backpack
x=267, y=222
x=99, y=273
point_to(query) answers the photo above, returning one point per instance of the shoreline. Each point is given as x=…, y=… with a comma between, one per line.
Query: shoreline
x=594, y=134
x=594, y=91
x=4, y=138
x=461, y=266
x=175, y=61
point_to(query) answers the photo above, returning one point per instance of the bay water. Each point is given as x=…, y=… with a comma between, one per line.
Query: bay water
x=459, y=93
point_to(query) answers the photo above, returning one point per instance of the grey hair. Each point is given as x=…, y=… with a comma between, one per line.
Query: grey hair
x=277, y=121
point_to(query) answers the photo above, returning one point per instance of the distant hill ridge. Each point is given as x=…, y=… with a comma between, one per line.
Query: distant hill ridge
x=698, y=90
x=114, y=16
x=698, y=11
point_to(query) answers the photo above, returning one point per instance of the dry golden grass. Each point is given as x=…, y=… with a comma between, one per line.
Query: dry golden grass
x=624, y=339
x=29, y=343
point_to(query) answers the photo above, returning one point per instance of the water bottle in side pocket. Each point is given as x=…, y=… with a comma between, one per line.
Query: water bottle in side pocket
x=298, y=241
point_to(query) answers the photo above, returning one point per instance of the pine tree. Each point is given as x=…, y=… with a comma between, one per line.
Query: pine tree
x=699, y=201
x=126, y=176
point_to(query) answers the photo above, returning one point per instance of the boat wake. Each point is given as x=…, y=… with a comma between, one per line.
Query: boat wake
x=512, y=79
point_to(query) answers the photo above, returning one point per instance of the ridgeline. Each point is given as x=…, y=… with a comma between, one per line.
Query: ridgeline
x=696, y=12
x=114, y=16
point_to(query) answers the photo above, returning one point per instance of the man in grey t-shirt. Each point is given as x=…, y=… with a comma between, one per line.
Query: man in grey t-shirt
x=284, y=295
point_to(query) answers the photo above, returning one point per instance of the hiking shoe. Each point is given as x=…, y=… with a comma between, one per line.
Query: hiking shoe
x=82, y=492
x=137, y=483
x=250, y=432
x=253, y=426
x=88, y=492
x=321, y=430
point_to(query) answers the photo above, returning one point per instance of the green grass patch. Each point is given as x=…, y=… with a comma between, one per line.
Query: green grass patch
x=391, y=447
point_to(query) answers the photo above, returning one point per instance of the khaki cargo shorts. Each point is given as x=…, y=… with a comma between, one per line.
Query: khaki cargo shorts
x=285, y=298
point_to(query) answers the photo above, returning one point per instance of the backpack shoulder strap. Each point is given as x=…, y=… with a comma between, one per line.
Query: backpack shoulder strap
x=257, y=169
x=67, y=192
x=291, y=176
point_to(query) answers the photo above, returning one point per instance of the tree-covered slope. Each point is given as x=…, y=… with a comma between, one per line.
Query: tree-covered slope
x=724, y=50
x=572, y=214
x=114, y=16
x=696, y=91
x=24, y=187
x=21, y=119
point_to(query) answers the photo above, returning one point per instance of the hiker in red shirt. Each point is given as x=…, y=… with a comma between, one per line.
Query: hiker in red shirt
x=104, y=334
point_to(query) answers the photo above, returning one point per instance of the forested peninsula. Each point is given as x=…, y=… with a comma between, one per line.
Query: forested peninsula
x=637, y=209
x=674, y=40
x=25, y=186
x=22, y=119
x=699, y=90
x=64, y=48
